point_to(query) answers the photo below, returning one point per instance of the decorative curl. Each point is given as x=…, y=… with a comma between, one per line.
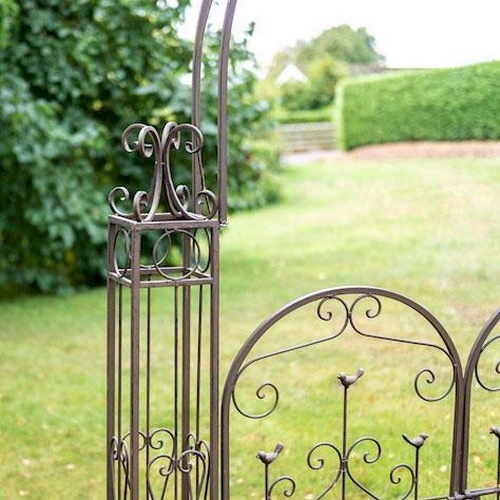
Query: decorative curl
x=430, y=380
x=141, y=144
x=161, y=256
x=208, y=199
x=367, y=455
x=262, y=395
x=326, y=314
x=163, y=470
x=496, y=369
x=124, y=195
x=370, y=313
x=143, y=440
x=201, y=467
x=318, y=463
x=368, y=458
x=146, y=140
x=185, y=465
x=127, y=252
x=149, y=144
x=287, y=492
x=396, y=477
x=178, y=197
x=202, y=449
x=374, y=312
x=157, y=442
x=119, y=453
x=163, y=467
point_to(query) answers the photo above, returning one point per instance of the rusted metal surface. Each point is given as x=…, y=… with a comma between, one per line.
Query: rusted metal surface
x=167, y=432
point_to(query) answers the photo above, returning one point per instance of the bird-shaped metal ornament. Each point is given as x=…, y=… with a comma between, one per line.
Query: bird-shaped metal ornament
x=269, y=457
x=348, y=380
x=417, y=442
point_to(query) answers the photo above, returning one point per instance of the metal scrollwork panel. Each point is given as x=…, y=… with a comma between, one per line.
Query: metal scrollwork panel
x=167, y=255
x=180, y=202
x=163, y=466
x=332, y=332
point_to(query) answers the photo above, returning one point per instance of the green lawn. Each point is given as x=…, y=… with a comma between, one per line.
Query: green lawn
x=428, y=229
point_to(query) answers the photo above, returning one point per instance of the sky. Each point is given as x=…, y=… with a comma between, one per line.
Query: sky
x=410, y=34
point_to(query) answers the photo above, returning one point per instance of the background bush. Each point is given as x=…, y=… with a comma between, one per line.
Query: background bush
x=304, y=116
x=437, y=105
x=73, y=75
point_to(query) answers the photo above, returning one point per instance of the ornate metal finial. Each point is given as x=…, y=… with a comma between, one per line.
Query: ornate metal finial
x=180, y=202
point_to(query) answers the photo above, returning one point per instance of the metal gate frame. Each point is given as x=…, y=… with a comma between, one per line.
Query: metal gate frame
x=353, y=305
x=175, y=459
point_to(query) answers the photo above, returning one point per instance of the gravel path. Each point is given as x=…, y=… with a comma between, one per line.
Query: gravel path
x=466, y=149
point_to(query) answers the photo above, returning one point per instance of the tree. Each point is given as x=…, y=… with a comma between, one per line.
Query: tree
x=319, y=90
x=324, y=60
x=73, y=75
x=341, y=43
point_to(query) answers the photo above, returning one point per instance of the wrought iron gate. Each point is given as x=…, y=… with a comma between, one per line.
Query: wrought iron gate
x=167, y=431
x=369, y=319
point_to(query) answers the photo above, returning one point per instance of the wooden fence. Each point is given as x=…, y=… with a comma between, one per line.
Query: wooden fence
x=298, y=137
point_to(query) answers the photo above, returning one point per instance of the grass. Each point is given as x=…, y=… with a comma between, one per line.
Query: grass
x=428, y=229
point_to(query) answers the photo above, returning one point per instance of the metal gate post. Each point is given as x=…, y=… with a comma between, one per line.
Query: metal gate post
x=173, y=453
x=163, y=447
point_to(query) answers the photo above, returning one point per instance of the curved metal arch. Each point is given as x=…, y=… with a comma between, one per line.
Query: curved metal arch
x=201, y=27
x=222, y=119
x=196, y=92
x=239, y=365
x=222, y=107
x=471, y=367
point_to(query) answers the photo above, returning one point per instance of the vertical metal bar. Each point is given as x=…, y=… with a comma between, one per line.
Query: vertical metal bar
x=417, y=471
x=198, y=374
x=498, y=469
x=222, y=108
x=267, y=493
x=344, y=444
x=148, y=386
x=456, y=479
x=214, y=364
x=111, y=366
x=135, y=363
x=176, y=385
x=198, y=361
x=120, y=382
x=186, y=362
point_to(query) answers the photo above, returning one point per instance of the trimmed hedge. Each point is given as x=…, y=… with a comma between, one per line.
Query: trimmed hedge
x=454, y=104
x=305, y=116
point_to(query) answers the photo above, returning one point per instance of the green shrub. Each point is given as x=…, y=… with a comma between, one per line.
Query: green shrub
x=305, y=116
x=436, y=105
x=73, y=75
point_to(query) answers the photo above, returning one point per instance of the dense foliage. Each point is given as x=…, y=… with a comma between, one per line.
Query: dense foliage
x=73, y=75
x=305, y=116
x=437, y=105
x=324, y=61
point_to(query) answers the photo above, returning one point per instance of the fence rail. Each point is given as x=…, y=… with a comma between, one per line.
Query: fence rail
x=299, y=137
